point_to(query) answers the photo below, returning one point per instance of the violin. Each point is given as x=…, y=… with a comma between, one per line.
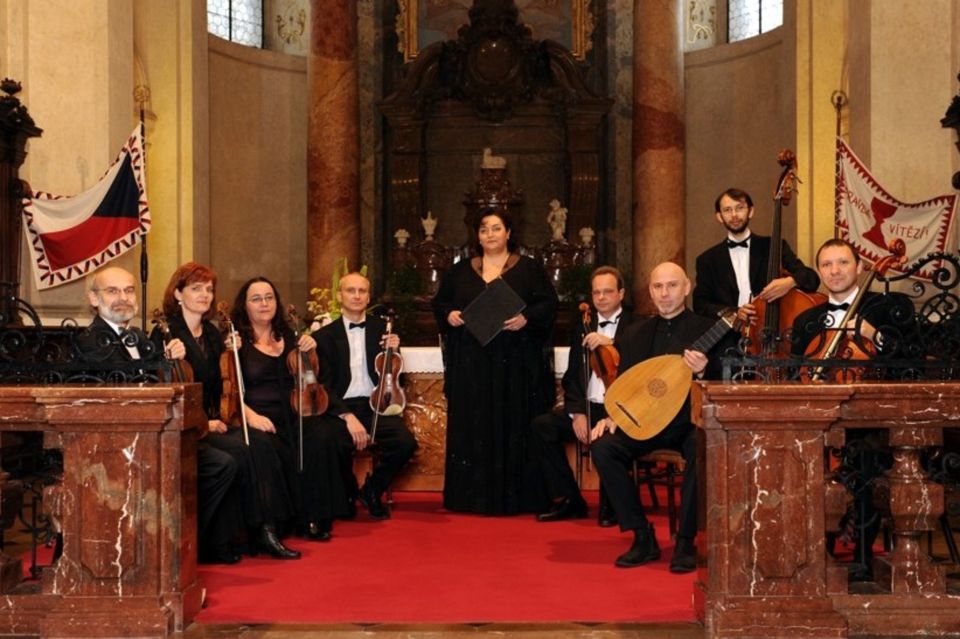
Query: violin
x=604, y=359
x=838, y=340
x=772, y=318
x=231, y=373
x=182, y=372
x=309, y=397
x=388, y=397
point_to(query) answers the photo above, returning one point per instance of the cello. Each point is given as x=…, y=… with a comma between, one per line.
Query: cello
x=837, y=340
x=232, y=406
x=387, y=398
x=772, y=318
x=309, y=397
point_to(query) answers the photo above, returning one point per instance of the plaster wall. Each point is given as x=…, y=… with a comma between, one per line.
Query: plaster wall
x=257, y=146
x=740, y=112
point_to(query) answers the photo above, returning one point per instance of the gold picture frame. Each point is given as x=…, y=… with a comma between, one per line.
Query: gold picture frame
x=582, y=25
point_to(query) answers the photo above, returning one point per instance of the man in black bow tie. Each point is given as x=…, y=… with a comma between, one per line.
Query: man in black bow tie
x=734, y=272
x=551, y=430
x=347, y=349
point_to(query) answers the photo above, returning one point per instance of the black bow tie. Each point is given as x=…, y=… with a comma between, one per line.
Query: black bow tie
x=744, y=244
x=357, y=325
x=837, y=307
x=608, y=322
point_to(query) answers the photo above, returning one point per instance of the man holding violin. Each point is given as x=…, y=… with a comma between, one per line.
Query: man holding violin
x=347, y=349
x=552, y=430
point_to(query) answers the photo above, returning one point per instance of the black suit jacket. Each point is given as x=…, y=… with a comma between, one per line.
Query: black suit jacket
x=637, y=345
x=717, y=290
x=333, y=349
x=574, y=390
x=93, y=343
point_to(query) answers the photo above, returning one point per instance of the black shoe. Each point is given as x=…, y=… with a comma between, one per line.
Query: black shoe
x=606, y=517
x=684, y=556
x=319, y=530
x=372, y=503
x=271, y=544
x=566, y=508
x=643, y=550
x=223, y=555
x=351, y=509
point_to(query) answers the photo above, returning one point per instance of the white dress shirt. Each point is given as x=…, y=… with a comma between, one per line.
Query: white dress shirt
x=837, y=316
x=360, y=383
x=133, y=350
x=740, y=257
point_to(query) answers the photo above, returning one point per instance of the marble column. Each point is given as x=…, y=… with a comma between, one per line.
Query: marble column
x=658, y=141
x=333, y=145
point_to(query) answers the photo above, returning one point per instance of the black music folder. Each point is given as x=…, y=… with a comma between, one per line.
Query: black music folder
x=485, y=315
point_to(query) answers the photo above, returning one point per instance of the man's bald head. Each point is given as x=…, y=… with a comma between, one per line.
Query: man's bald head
x=669, y=287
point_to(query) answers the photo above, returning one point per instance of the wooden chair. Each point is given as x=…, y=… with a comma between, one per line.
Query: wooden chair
x=662, y=467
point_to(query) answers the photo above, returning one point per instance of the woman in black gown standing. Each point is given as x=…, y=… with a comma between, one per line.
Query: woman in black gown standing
x=267, y=340
x=494, y=391
x=265, y=497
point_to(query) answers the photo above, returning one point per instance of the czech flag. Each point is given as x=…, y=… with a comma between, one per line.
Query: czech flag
x=70, y=236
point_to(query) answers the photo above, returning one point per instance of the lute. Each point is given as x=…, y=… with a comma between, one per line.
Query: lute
x=646, y=397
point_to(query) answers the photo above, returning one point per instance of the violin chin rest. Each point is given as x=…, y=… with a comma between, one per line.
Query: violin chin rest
x=392, y=409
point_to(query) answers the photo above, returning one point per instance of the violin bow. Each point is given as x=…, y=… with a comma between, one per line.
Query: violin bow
x=585, y=363
x=295, y=319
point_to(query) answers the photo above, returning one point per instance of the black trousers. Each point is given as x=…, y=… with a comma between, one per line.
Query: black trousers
x=395, y=445
x=550, y=432
x=613, y=457
x=218, y=507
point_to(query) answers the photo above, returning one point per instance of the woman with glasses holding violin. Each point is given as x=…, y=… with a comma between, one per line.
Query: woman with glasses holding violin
x=313, y=455
x=262, y=493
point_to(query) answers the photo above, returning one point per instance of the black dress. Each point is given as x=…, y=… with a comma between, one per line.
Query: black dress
x=494, y=392
x=266, y=496
x=321, y=493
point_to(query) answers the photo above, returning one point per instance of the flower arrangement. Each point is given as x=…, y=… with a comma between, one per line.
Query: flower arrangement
x=323, y=305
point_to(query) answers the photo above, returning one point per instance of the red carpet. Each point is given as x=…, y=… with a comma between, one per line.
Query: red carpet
x=426, y=565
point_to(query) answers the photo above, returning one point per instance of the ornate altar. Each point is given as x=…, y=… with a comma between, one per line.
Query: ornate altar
x=530, y=102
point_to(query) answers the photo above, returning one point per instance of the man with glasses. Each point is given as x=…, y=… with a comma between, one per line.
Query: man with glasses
x=552, y=430
x=732, y=273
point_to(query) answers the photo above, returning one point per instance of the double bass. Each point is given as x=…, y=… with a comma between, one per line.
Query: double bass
x=773, y=318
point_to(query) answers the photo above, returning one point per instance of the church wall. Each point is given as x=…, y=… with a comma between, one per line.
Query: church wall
x=740, y=108
x=75, y=61
x=258, y=178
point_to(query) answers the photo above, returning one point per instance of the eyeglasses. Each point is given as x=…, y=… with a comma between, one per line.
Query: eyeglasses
x=739, y=208
x=113, y=291
x=260, y=299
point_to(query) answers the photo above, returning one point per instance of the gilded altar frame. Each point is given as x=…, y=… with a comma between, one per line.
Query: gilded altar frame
x=582, y=25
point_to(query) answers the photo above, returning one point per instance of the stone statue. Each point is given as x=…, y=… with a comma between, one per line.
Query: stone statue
x=429, y=224
x=402, y=235
x=557, y=219
x=588, y=252
x=491, y=161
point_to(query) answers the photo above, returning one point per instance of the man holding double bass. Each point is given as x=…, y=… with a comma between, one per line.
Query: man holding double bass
x=347, y=349
x=671, y=331
x=551, y=430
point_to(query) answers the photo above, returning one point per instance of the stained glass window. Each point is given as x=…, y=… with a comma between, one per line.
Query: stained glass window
x=748, y=18
x=239, y=21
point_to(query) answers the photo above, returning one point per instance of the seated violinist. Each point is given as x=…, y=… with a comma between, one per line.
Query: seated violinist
x=839, y=266
x=552, y=429
x=347, y=349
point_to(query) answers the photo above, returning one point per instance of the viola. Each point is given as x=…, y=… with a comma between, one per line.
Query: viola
x=837, y=342
x=388, y=397
x=232, y=404
x=774, y=317
x=604, y=359
x=309, y=397
x=181, y=371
